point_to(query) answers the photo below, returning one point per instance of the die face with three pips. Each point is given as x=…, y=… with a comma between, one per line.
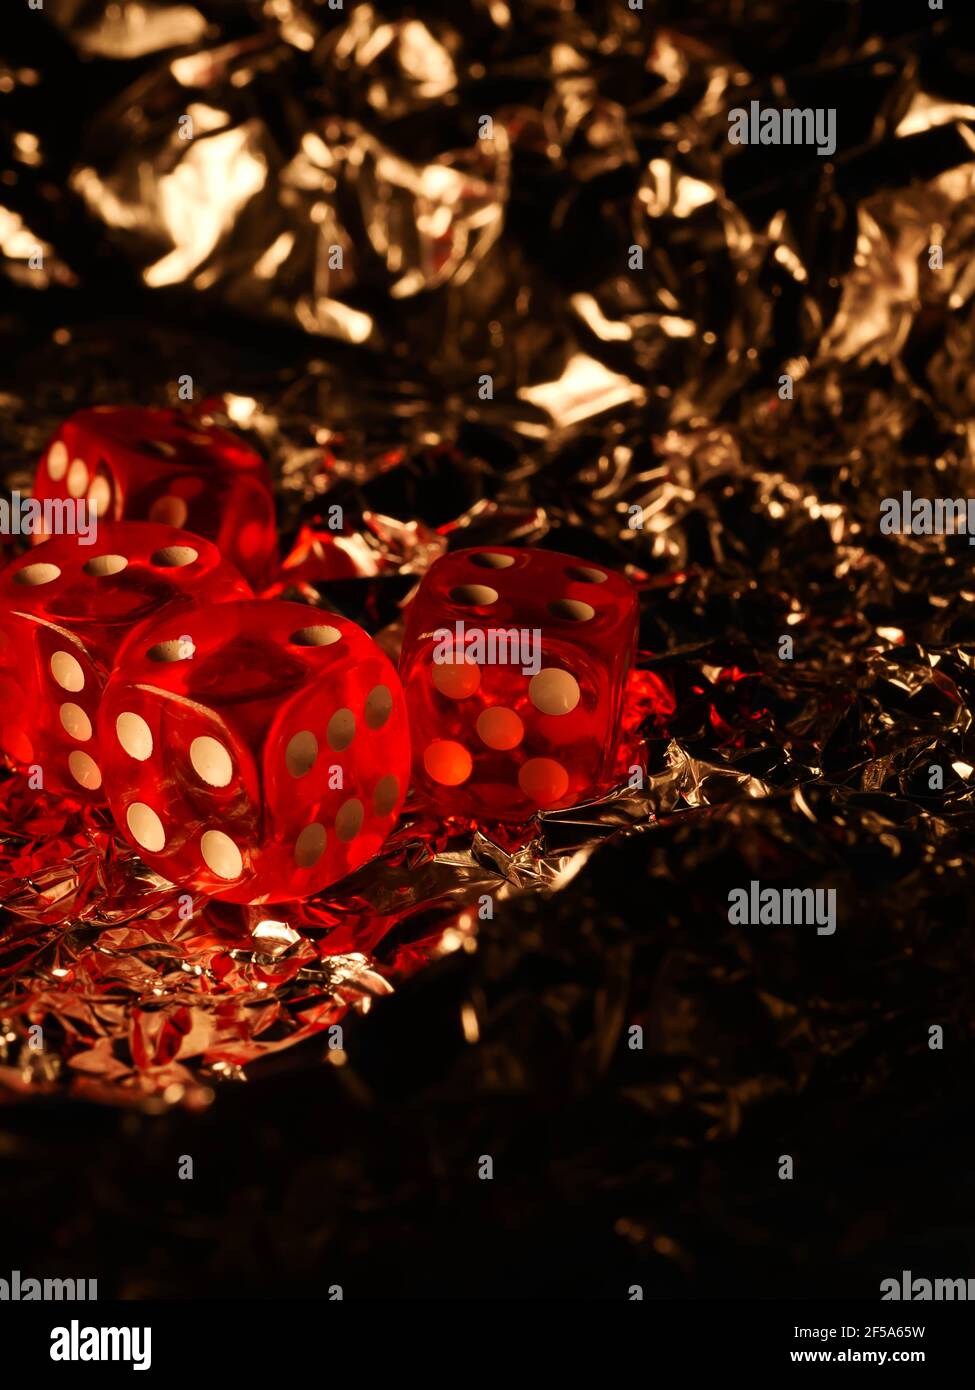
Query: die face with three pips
x=66, y=608
x=141, y=464
x=258, y=750
x=514, y=663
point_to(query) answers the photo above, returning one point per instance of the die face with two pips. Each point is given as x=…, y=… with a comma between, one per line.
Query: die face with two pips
x=258, y=751
x=514, y=664
x=141, y=464
x=65, y=610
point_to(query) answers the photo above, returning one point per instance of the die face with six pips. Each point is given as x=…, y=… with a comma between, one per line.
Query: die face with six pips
x=514, y=664
x=65, y=610
x=141, y=464
x=258, y=751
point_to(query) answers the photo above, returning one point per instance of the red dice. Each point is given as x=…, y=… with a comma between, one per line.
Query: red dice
x=256, y=752
x=65, y=609
x=160, y=465
x=513, y=664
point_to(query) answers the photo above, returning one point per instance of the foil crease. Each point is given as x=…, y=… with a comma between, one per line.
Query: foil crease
x=541, y=202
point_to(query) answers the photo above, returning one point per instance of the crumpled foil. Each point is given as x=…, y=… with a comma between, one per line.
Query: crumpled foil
x=500, y=277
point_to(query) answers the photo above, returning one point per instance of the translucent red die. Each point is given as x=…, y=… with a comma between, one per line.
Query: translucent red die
x=141, y=464
x=257, y=751
x=514, y=663
x=65, y=610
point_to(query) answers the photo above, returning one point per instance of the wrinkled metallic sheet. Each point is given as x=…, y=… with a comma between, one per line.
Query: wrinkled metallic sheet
x=634, y=417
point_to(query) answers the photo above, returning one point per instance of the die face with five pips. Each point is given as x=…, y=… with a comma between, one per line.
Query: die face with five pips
x=65, y=610
x=258, y=751
x=514, y=664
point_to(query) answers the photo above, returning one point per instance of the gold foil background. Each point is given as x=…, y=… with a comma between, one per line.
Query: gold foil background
x=634, y=418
